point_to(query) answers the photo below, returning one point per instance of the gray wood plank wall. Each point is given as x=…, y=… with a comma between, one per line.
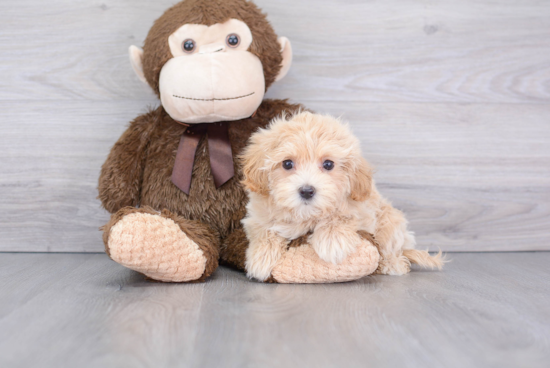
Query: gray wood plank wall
x=451, y=100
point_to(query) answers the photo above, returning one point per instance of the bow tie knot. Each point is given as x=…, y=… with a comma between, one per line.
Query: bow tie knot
x=219, y=148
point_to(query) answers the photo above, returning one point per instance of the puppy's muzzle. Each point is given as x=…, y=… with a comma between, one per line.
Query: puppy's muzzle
x=307, y=192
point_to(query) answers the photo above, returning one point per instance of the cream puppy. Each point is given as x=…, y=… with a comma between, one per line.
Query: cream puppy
x=305, y=174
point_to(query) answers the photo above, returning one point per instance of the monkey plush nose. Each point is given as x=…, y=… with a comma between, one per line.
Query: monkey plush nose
x=211, y=48
x=306, y=192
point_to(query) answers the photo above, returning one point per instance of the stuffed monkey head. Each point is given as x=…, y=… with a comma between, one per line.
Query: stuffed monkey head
x=211, y=60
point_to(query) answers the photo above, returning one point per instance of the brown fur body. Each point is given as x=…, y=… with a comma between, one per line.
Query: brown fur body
x=138, y=172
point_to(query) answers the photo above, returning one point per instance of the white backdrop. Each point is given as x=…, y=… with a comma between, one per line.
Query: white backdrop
x=450, y=99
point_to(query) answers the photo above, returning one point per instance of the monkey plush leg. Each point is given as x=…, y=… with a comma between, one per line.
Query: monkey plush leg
x=233, y=249
x=161, y=245
x=300, y=264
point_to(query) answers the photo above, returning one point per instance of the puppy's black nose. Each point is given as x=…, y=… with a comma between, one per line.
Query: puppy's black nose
x=306, y=192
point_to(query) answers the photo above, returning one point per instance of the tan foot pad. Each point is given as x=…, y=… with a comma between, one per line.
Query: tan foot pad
x=157, y=247
x=302, y=265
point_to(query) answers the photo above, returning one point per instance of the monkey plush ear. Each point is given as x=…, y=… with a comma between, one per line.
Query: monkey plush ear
x=361, y=181
x=136, y=55
x=286, y=52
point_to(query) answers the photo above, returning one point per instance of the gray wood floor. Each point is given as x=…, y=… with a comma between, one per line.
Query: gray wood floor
x=83, y=310
x=451, y=100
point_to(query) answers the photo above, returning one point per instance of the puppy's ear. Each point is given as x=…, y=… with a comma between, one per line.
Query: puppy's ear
x=256, y=176
x=361, y=181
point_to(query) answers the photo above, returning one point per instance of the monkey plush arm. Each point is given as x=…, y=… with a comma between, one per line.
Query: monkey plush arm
x=121, y=174
x=271, y=109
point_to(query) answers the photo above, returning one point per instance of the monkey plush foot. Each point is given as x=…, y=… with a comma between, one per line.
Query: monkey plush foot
x=300, y=264
x=162, y=246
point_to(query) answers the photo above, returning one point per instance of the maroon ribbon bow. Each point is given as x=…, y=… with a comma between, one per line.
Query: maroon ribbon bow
x=219, y=147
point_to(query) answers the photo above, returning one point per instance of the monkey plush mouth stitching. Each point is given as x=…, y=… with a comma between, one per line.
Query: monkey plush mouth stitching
x=214, y=99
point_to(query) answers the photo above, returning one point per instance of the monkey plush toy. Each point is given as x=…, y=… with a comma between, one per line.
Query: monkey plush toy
x=172, y=181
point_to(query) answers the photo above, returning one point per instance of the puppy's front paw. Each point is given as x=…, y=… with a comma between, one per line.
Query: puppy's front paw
x=262, y=255
x=333, y=244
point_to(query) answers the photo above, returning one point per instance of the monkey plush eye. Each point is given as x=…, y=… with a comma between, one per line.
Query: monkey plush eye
x=188, y=46
x=233, y=40
x=288, y=164
x=328, y=165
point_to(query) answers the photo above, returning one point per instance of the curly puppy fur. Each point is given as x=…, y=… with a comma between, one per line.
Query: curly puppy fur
x=345, y=200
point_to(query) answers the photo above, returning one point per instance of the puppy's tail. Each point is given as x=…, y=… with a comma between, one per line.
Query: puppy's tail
x=423, y=258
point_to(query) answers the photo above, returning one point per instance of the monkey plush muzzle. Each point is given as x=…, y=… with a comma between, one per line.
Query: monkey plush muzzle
x=212, y=86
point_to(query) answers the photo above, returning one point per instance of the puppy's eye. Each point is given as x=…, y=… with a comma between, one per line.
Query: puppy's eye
x=328, y=165
x=288, y=164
